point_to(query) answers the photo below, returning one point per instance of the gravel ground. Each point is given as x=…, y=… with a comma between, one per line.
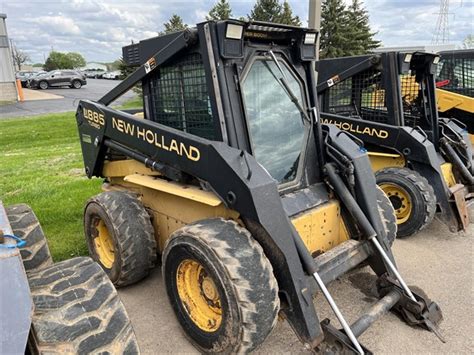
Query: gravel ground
x=439, y=262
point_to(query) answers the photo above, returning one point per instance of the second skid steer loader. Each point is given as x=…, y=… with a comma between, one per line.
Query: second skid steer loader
x=423, y=162
x=455, y=87
x=253, y=204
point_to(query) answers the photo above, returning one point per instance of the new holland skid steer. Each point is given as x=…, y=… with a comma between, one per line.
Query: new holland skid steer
x=253, y=205
x=69, y=307
x=455, y=87
x=422, y=162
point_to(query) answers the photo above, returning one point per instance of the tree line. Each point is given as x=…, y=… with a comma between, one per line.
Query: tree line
x=345, y=30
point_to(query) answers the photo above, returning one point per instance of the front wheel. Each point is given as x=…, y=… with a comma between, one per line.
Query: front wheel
x=221, y=286
x=387, y=215
x=412, y=198
x=76, y=84
x=43, y=85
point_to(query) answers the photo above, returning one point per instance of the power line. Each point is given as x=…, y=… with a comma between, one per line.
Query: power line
x=441, y=34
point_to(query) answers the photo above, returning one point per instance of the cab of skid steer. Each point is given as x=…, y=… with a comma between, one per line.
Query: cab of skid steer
x=228, y=86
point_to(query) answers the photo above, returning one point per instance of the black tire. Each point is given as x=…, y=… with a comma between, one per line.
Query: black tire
x=421, y=198
x=128, y=225
x=25, y=224
x=387, y=214
x=243, y=278
x=78, y=311
x=76, y=84
x=43, y=85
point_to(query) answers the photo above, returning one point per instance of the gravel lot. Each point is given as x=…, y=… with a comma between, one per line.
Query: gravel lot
x=439, y=262
x=94, y=90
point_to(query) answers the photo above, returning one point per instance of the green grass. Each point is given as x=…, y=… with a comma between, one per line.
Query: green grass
x=41, y=165
x=136, y=102
x=4, y=103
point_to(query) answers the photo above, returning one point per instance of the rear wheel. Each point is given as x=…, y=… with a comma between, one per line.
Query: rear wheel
x=120, y=236
x=412, y=198
x=35, y=253
x=43, y=85
x=221, y=286
x=78, y=311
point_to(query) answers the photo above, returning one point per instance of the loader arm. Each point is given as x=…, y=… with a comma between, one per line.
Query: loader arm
x=409, y=142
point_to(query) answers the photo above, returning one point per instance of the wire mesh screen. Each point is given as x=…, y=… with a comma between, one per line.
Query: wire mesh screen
x=414, y=101
x=456, y=75
x=362, y=95
x=180, y=98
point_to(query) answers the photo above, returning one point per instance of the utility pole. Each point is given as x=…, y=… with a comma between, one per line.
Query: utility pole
x=12, y=48
x=314, y=20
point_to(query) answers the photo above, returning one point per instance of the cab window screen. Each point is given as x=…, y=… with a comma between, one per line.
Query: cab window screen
x=179, y=97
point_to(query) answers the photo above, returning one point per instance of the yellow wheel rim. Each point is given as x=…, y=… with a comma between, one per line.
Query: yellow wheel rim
x=199, y=295
x=104, y=245
x=400, y=199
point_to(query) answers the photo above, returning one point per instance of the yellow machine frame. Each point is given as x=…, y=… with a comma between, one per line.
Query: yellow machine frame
x=448, y=100
x=173, y=205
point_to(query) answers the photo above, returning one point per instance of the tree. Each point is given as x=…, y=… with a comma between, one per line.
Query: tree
x=126, y=70
x=220, y=11
x=274, y=11
x=334, y=29
x=286, y=16
x=360, y=38
x=19, y=57
x=468, y=42
x=55, y=60
x=76, y=60
x=345, y=31
x=266, y=10
x=58, y=60
x=175, y=24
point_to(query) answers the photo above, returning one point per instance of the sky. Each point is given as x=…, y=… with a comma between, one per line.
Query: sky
x=98, y=29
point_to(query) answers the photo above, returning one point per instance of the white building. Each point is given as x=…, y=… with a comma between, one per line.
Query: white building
x=430, y=48
x=8, y=90
x=95, y=66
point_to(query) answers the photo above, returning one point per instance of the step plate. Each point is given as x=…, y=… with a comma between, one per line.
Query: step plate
x=342, y=258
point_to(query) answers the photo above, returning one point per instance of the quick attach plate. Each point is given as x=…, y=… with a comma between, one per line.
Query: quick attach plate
x=423, y=313
x=336, y=342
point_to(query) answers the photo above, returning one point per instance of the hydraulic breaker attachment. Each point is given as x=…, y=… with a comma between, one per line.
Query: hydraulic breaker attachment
x=421, y=311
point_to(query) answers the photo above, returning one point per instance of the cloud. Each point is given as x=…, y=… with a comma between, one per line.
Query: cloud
x=99, y=28
x=60, y=24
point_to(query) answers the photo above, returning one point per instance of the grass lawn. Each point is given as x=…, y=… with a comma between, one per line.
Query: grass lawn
x=136, y=102
x=41, y=165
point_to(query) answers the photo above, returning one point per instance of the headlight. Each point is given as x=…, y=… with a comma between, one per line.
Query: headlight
x=310, y=38
x=408, y=58
x=436, y=60
x=234, y=31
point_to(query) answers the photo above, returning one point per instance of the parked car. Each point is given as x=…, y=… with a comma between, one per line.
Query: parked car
x=113, y=75
x=55, y=78
x=24, y=76
x=94, y=73
x=35, y=75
